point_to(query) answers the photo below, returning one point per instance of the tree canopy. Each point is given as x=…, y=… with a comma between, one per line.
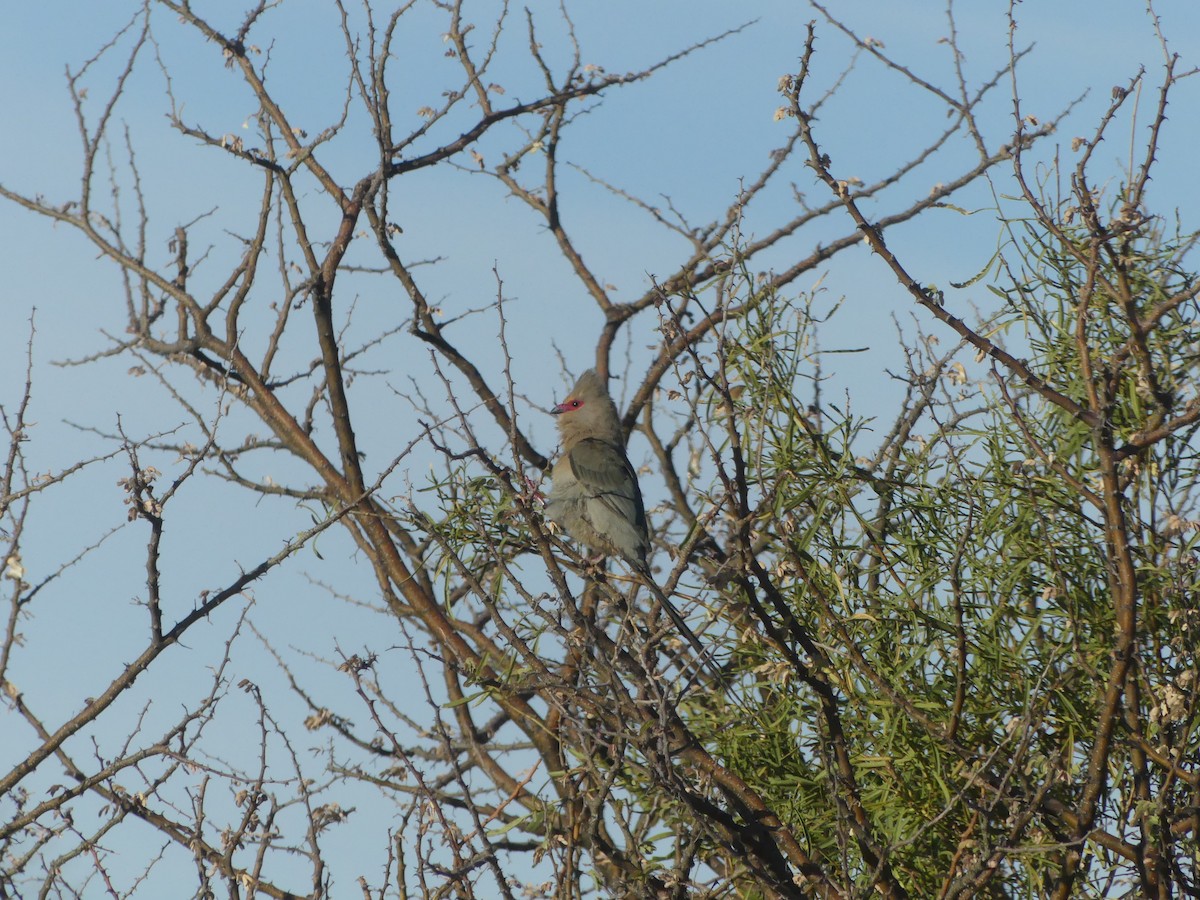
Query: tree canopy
x=949, y=649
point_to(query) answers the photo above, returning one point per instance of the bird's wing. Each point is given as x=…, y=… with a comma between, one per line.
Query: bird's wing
x=604, y=474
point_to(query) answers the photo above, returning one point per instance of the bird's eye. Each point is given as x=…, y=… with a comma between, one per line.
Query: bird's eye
x=575, y=404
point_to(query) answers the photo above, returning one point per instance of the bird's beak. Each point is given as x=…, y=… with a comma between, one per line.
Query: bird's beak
x=558, y=408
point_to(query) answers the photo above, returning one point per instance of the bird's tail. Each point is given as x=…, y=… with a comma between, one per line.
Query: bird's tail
x=704, y=654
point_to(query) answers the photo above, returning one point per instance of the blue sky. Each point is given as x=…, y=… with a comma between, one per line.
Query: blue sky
x=690, y=134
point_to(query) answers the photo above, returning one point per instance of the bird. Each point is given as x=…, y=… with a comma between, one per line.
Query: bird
x=594, y=493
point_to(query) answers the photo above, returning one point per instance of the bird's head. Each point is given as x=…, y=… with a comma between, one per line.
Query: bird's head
x=588, y=411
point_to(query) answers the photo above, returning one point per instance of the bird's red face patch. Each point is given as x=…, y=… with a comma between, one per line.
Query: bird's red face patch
x=569, y=405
